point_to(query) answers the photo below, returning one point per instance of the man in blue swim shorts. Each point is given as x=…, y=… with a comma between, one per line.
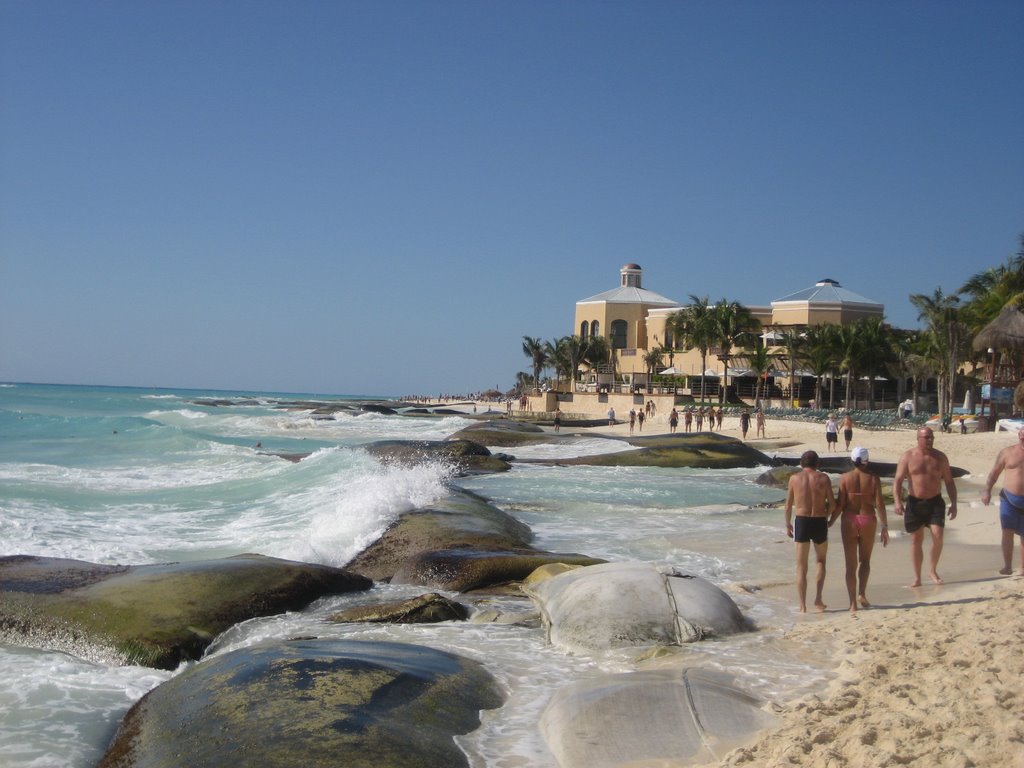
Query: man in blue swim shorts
x=925, y=470
x=1011, y=499
x=810, y=494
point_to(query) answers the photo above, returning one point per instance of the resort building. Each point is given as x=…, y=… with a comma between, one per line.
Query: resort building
x=635, y=322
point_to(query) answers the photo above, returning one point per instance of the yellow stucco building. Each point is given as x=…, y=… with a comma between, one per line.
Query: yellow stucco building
x=634, y=321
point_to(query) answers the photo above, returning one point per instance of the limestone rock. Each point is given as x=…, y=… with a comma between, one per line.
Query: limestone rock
x=306, y=703
x=153, y=615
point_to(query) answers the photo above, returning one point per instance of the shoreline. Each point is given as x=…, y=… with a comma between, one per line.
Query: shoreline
x=927, y=675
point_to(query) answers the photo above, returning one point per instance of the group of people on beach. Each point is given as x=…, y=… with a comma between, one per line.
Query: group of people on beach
x=861, y=511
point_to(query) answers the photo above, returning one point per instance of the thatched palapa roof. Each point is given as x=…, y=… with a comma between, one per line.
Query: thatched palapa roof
x=1005, y=332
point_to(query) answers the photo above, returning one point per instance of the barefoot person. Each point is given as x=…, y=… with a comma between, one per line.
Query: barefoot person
x=925, y=470
x=1011, y=499
x=810, y=493
x=860, y=503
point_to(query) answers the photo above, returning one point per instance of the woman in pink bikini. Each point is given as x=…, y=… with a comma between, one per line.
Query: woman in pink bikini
x=860, y=502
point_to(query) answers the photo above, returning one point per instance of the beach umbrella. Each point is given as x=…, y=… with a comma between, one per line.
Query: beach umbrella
x=1005, y=332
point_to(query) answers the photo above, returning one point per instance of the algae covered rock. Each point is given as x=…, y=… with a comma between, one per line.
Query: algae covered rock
x=423, y=609
x=505, y=434
x=153, y=615
x=466, y=456
x=461, y=520
x=462, y=570
x=308, y=703
x=702, y=450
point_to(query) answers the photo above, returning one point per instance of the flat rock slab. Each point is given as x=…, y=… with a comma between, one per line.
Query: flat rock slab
x=461, y=520
x=653, y=718
x=462, y=570
x=699, y=451
x=422, y=609
x=466, y=456
x=152, y=615
x=308, y=703
x=504, y=434
x=618, y=605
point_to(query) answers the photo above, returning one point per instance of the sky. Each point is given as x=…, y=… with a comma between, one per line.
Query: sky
x=385, y=197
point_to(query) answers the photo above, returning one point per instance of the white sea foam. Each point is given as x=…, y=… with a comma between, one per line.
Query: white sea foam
x=179, y=483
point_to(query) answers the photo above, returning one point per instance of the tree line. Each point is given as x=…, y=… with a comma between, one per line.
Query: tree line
x=868, y=348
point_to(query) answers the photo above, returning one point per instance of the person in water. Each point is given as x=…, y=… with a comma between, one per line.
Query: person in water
x=810, y=494
x=861, y=505
x=925, y=470
x=1011, y=499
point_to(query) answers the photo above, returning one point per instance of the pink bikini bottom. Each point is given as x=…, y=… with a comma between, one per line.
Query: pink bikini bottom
x=860, y=522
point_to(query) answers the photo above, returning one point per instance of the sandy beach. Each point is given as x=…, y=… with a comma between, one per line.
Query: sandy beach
x=928, y=676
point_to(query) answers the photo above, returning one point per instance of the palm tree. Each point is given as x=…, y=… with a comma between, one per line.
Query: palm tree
x=571, y=349
x=822, y=353
x=537, y=351
x=733, y=323
x=793, y=341
x=695, y=327
x=652, y=360
x=875, y=350
x=760, y=362
x=523, y=381
x=946, y=335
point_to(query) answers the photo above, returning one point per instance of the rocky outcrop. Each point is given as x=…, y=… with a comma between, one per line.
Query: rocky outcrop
x=423, y=609
x=152, y=615
x=699, y=451
x=618, y=605
x=310, y=702
x=505, y=434
x=463, y=570
x=675, y=717
x=466, y=456
x=459, y=543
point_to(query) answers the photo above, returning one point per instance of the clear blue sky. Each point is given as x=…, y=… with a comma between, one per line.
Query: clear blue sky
x=385, y=197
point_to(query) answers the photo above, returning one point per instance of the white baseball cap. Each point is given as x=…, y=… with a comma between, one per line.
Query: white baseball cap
x=859, y=454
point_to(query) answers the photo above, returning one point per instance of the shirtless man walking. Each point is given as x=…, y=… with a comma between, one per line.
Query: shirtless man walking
x=810, y=493
x=1011, y=499
x=861, y=504
x=925, y=470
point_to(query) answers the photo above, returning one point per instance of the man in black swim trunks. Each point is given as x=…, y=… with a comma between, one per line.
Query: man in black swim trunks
x=926, y=470
x=810, y=493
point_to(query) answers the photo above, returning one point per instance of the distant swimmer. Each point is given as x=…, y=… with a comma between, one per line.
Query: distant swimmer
x=925, y=470
x=810, y=495
x=1011, y=499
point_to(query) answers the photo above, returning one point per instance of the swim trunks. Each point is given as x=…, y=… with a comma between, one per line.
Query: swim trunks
x=1011, y=512
x=848, y=435
x=920, y=512
x=810, y=529
x=831, y=437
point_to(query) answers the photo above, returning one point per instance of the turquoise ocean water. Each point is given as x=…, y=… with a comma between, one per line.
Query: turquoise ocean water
x=132, y=476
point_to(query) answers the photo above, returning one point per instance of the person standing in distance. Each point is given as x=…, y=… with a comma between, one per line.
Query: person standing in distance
x=810, y=494
x=925, y=470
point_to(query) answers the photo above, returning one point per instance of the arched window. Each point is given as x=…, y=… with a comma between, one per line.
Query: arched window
x=619, y=334
x=595, y=328
x=583, y=330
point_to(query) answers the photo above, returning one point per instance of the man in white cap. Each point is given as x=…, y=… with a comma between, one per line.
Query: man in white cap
x=861, y=504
